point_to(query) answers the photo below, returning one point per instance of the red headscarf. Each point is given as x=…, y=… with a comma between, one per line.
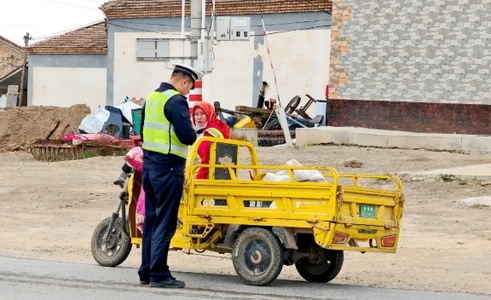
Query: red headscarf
x=211, y=118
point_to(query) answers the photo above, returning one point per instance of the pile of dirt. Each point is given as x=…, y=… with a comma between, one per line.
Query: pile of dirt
x=20, y=126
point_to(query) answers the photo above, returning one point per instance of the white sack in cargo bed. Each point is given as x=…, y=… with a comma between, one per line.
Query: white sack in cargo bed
x=300, y=175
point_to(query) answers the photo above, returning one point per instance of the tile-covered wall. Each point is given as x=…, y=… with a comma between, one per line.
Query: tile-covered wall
x=433, y=51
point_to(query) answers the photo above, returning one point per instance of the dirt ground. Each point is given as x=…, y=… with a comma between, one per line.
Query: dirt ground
x=21, y=126
x=49, y=210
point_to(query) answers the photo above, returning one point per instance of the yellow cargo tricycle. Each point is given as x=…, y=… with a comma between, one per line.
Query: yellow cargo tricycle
x=266, y=216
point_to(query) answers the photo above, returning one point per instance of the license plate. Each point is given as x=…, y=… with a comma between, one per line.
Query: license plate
x=368, y=211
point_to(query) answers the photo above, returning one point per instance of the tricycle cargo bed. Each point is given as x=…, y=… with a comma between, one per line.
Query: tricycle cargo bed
x=345, y=217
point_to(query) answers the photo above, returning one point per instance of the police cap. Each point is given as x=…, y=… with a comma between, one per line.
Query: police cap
x=188, y=71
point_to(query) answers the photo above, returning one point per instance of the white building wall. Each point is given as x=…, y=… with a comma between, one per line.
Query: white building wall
x=300, y=60
x=232, y=76
x=69, y=86
x=301, y=63
x=134, y=78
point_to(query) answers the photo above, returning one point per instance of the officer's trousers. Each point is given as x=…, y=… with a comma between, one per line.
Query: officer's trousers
x=163, y=191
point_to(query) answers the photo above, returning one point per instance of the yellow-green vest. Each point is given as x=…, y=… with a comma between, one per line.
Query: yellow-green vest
x=214, y=133
x=158, y=133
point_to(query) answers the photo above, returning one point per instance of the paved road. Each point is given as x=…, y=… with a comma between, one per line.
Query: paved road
x=34, y=279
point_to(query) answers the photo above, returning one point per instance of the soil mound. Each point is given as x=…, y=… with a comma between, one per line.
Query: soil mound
x=20, y=126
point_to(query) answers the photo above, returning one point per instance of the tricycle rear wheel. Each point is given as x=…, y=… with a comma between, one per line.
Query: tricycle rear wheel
x=323, y=266
x=116, y=249
x=257, y=256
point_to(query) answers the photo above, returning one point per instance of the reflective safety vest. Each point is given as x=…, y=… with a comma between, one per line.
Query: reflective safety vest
x=158, y=133
x=214, y=133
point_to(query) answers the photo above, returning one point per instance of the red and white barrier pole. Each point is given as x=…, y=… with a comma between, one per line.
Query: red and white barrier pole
x=196, y=94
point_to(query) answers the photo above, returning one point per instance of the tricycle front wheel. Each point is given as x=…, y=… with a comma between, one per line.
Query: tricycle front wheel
x=115, y=249
x=257, y=256
x=323, y=266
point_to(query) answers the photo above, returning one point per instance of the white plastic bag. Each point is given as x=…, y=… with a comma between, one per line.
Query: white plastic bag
x=305, y=175
x=93, y=122
x=276, y=177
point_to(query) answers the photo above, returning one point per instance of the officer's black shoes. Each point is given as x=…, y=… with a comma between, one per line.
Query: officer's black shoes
x=168, y=283
x=144, y=282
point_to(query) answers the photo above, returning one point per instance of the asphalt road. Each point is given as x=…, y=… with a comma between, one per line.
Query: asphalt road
x=35, y=279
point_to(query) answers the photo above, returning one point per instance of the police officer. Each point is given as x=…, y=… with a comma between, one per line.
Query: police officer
x=166, y=132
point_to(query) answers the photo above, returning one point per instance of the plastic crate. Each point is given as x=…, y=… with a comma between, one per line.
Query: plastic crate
x=137, y=119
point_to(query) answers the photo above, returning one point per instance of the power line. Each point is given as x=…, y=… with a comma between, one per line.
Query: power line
x=141, y=30
x=255, y=25
x=292, y=23
x=293, y=30
x=132, y=28
x=18, y=25
x=271, y=33
x=71, y=4
x=141, y=23
x=114, y=23
x=42, y=37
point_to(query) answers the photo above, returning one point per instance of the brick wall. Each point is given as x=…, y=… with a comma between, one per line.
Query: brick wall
x=10, y=58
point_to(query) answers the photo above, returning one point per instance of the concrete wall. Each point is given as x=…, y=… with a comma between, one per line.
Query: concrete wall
x=412, y=50
x=65, y=80
x=393, y=139
x=300, y=59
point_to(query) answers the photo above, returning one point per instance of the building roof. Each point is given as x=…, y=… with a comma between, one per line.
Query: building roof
x=11, y=44
x=126, y=9
x=91, y=39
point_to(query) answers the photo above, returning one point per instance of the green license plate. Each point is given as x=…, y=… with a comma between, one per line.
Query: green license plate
x=368, y=211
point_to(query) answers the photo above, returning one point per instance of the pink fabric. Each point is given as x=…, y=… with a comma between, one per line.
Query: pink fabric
x=90, y=137
x=134, y=158
x=140, y=210
x=140, y=206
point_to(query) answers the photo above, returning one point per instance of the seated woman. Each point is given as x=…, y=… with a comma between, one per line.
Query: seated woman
x=206, y=121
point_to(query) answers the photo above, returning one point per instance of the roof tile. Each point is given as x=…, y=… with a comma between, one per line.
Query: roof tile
x=91, y=39
x=11, y=44
x=125, y=9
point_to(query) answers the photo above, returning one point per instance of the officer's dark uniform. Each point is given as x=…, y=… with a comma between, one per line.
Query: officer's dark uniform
x=163, y=179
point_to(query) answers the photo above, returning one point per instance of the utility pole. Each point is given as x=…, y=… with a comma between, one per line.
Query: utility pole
x=195, y=34
x=20, y=101
x=198, y=15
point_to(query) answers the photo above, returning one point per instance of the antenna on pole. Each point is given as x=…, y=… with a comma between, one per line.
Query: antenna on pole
x=20, y=101
x=271, y=61
x=280, y=111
